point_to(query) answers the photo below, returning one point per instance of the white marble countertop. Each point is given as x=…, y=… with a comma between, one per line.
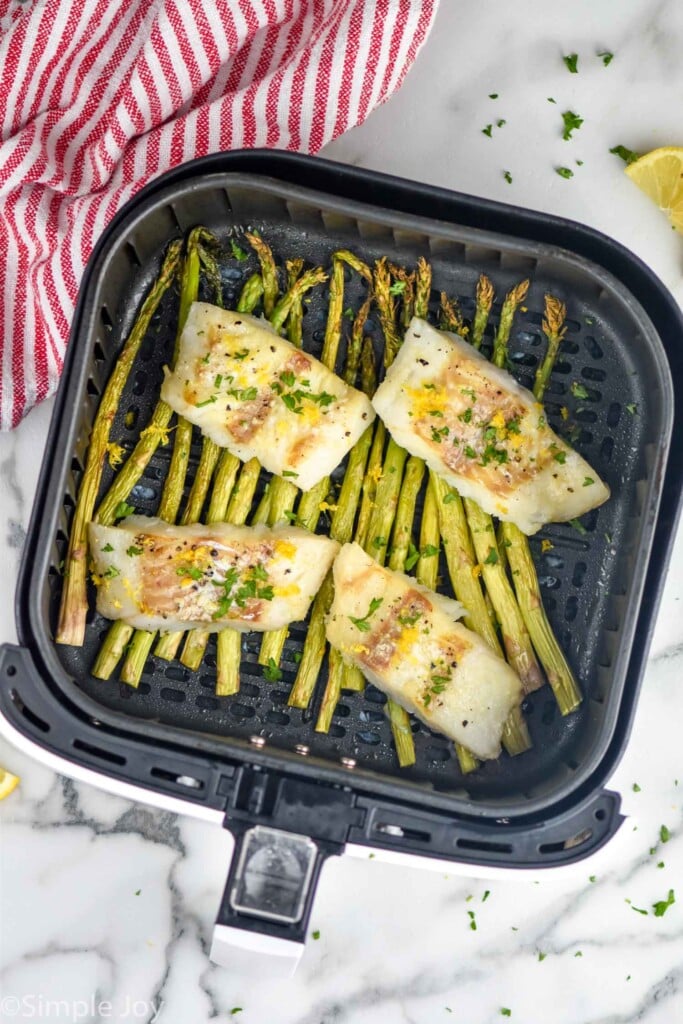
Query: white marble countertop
x=106, y=900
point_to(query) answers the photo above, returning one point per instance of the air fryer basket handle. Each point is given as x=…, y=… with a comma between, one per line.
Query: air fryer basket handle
x=268, y=898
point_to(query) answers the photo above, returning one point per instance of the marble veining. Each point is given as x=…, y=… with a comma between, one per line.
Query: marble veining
x=108, y=906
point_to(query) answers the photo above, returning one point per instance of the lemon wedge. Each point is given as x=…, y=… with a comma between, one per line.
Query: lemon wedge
x=8, y=782
x=659, y=175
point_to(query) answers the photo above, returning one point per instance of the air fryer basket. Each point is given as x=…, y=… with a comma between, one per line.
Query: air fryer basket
x=543, y=807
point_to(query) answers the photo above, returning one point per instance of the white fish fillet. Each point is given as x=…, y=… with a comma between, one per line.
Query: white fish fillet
x=254, y=393
x=156, y=576
x=484, y=433
x=406, y=640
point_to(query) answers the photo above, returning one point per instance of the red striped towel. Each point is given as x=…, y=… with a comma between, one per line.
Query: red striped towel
x=98, y=97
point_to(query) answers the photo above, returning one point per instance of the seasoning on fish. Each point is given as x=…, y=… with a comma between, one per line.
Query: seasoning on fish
x=407, y=641
x=160, y=577
x=484, y=433
x=256, y=394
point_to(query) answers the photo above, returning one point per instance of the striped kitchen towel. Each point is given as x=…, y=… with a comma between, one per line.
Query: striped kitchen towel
x=98, y=97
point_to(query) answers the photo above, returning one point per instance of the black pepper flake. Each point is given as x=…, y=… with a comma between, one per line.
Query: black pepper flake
x=214, y=552
x=422, y=362
x=464, y=722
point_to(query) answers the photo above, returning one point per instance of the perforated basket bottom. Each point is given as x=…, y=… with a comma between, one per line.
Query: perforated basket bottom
x=585, y=576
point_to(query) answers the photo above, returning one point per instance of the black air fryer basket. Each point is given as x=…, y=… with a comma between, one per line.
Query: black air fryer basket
x=290, y=795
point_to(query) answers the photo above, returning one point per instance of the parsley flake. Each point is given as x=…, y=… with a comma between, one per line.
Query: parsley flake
x=132, y=551
x=664, y=834
x=578, y=390
x=428, y=551
x=492, y=557
x=412, y=557
x=578, y=526
x=541, y=957
x=397, y=288
x=111, y=573
x=635, y=787
x=487, y=130
x=108, y=547
x=473, y=922
x=493, y=95
x=191, y=571
x=505, y=1011
x=362, y=623
x=560, y=457
x=239, y=254
x=572, y=122
x=571, y=61
x=315, y=935
x=122, y=510
x=207, y=401
x=271, y=672
x=627, y=155
x=661, y=906
x=508, y=177
x=564, y=172
x=607, y=57
x=632, y=409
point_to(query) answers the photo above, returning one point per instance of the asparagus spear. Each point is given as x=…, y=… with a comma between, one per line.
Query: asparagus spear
x=451, y=318
x=484, y=301
x=273, y=641
x=120, y=633
x=400, y=542
x=229, y=641
x=384, y=502
x=268, y=271
x=525, y=579
x=341, y=530
x=168, y=644
x=74, y=604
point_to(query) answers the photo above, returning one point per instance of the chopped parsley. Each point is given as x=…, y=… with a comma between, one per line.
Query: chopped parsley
x=471, y=394
x=632, y=408
x=466, y=416
x=638, y=910
x=289, y=472
x=379, y=542
x=578, y=526
x=635, y=787
x=348, y=313
x=541, y=957
x=191, y=571
x=448, y=498
x=235, y=1009
x=564, y=172
x=560, y=457
x=362, y=624
x=578, y=390
x=493, y=95
x=271, y=672
x=218, y=380
x=571, y=61
x=429, y=550
x=133, y=550
x=508, y=177
x=298, y=655
x=664, y=834
x=111, y=573
x=487, y=130
x=627, y=155
x=492, y=557
x=588, y=481
x=108, y=547
x=486, y=895
x=505, y=1011
x=438, y=435
x=243, y=394
x=409, y=620
x=607, y=57
x=572, y=122
x=500, y=122
x=592, y=878
x=315, y=935
x=473, y=922
x=411, y=558
x=207, y=401
x=551, y=100
x=122, y=510
x=397, y=288
x=242, y=354
x=239, y=254
x=661, y=906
